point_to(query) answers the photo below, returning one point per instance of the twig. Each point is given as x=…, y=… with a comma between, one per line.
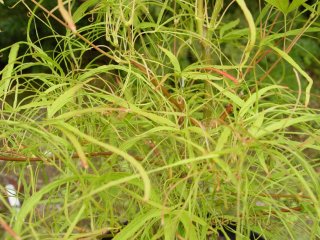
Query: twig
x=276, y=196
x=226, y=112
x=67, y=17
x=75, y=155
x=8, y=229
x=223, y=73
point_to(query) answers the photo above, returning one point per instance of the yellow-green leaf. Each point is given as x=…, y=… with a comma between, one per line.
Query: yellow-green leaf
x=254, y=97
x=7, y=71
x=63, y=100
x=223, y=138
x=290, y=60
x=173, y=59
x=281, y=5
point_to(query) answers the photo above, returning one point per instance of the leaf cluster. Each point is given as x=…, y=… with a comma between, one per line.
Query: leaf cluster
x=167, y=116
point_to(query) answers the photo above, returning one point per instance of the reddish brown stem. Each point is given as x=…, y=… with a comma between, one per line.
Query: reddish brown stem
x=223, y=73
x=298, y=209
x=226, y=112
x=9, y=230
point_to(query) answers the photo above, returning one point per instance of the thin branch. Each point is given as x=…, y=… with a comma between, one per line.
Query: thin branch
x=74, y=156
x=8, y=229
x=223, y=73
x=138, y=65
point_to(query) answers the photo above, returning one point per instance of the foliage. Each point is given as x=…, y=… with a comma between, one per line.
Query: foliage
x=173, y=116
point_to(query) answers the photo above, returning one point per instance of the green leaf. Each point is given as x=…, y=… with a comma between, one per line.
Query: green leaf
x=154, y=117
x=131, y=108
x=63, y=100
x=235, y=34
x=39, y=105
x=235, y=99
x=267, y=40
x=281, y=5
x=30, y=203
x=262, y=161
x=189, y=227
x=82, y=156
x=108, y=147
x=223, y=138
x=254, y=97
x=7, y=71
x=144, y=25
x=284, y=6
x=74, y=222
x=252, y=32
x=199, y=76
x=284, y=123
x=173, y=59
x=228, y=26
x=82, y=9
x=256, y=126
x=169, y=228
x=290, y=60
x=295, y=4
x=137, y=223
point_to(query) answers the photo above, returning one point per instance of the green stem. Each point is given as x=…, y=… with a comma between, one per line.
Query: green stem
x=215, y=14
x=200, y=16
x=205, y=39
